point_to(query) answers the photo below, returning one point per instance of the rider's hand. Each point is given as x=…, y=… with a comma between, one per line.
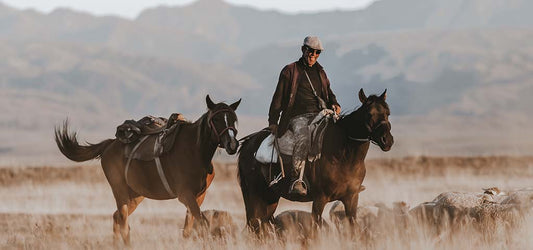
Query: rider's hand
x=337, y=109
x=273, y=128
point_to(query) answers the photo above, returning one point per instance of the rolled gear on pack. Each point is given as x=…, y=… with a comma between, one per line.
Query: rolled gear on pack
x=130, y=130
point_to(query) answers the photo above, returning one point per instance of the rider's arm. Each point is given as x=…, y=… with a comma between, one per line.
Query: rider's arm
x=279, y=96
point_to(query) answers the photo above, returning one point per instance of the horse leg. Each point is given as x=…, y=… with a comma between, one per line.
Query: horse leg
x=119, y=219
x=318, y=208
x=134, y=202
x=121, y=226
x=189, y=200
x=259, y=213
x=189, y=219
x=350, y=206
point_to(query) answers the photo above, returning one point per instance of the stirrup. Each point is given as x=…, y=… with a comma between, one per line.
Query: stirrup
x=297, y=181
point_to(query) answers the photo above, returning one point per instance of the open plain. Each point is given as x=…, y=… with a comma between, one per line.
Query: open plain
x=71, y=208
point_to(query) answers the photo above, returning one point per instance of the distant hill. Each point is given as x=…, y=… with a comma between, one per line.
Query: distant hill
x=442, y=61
x=212, y=30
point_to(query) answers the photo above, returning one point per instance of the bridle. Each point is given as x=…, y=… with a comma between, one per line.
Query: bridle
x=212, y=125
x=370, y=132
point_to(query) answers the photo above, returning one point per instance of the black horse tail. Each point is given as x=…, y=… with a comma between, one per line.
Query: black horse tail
x=250, y=178
x=69, y=146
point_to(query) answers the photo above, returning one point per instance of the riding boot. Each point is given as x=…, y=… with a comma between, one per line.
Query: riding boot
x=298, y=186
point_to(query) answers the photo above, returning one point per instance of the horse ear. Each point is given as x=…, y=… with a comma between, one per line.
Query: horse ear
x=235, y=105
x=210, y=104
x=384, y=95
x=362, y=96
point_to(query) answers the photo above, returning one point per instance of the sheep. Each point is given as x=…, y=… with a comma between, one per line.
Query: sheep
x=220, y=223
x=297, y=224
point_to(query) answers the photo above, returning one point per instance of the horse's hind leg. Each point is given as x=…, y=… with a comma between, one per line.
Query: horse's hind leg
x=125, y=207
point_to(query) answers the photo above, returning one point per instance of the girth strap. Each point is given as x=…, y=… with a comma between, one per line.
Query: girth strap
x=131, y=156
x=163, y=178
x=157, y=163
x=161, y=173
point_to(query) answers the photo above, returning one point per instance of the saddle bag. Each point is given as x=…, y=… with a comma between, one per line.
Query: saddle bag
x=267, y=152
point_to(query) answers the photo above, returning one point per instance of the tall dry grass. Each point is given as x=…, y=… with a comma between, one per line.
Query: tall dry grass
x=71, y=208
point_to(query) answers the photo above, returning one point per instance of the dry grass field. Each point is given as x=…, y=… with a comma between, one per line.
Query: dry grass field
x=71, y=208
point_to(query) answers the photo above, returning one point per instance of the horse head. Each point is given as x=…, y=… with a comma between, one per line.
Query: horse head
x=376, y=119
x=221, y=120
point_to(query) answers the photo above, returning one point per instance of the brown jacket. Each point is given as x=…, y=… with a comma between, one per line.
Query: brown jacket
x=283, y=99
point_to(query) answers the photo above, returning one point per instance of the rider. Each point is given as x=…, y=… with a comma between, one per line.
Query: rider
x=303, y=90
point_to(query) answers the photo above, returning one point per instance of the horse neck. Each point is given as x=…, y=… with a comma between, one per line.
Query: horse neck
x=204, y=142
x=337, y=142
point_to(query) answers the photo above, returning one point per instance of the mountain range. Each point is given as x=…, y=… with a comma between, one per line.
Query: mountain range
x=441, y=61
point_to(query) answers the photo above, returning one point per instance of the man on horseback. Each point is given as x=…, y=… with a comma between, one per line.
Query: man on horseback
x=303, y=90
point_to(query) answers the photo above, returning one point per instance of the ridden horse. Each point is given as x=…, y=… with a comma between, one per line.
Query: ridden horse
x=337, y=175
x=187, y=166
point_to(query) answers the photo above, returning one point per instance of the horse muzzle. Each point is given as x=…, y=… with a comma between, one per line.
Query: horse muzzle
x=232, y=147
x=230, y=143
x=385, y=142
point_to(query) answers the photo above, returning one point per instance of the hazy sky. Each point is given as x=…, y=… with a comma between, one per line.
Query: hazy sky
x=131, y=8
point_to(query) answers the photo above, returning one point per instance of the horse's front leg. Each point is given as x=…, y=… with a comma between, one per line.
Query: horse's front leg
x=189, y=200
x=318, y=208
x=189, y=219
x=350, y=208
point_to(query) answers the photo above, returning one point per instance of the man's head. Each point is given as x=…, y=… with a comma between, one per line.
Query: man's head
x=311, y=49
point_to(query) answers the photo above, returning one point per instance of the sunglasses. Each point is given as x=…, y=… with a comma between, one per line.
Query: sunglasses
x=311, y=51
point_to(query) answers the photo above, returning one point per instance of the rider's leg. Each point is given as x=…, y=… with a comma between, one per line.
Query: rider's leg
x=301, y=149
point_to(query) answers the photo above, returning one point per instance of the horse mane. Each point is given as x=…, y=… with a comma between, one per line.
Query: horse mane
x=201, y=122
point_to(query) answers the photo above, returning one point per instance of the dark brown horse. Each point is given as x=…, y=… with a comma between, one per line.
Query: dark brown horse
x=187, y=166
x=337, y=175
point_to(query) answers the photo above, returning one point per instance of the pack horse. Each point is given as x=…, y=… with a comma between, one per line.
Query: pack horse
x=152, y=167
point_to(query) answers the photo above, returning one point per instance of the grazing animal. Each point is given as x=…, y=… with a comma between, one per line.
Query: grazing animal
x=522, y=197
x=373, y=218
x=337, y=175
x=220, y=223
x=298, y=223
x=186, y=167
x=456, y=208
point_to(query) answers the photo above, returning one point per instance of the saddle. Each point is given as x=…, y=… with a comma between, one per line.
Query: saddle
x=149, y=137
x=270, y=149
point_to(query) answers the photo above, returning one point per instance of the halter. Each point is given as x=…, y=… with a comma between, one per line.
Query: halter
x=212, y=125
